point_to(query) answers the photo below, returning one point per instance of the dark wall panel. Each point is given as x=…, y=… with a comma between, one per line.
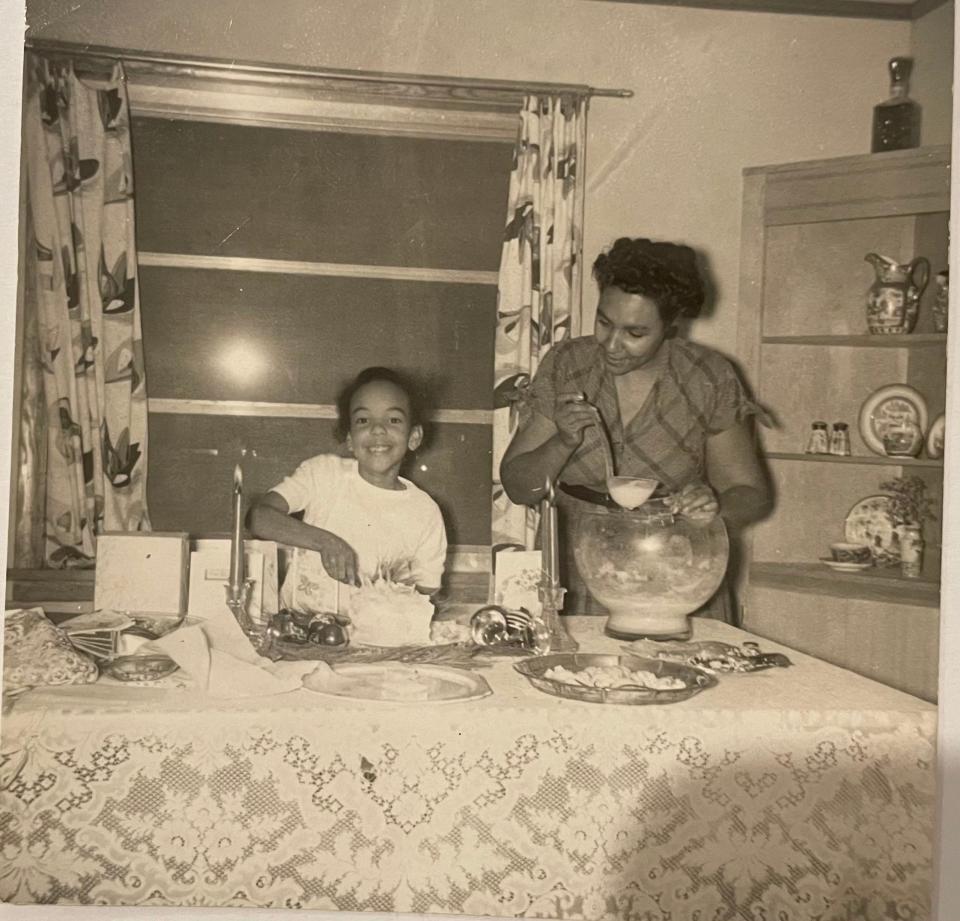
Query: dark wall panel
x=191, y=460
x=270, y=193
x=217, y=335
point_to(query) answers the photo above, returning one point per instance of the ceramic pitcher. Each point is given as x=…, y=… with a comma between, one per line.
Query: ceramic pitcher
x=894, y=296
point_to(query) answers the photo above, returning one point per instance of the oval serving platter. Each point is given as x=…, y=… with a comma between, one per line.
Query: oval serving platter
x=886, y=407
x=869, y=522
x=534, y=671
x=396, y=682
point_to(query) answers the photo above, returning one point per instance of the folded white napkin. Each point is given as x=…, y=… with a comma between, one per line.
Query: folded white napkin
x=219, y=660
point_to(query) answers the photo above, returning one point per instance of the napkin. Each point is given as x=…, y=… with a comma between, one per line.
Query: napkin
x=219, y=659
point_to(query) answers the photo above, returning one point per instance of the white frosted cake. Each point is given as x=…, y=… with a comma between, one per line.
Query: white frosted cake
x=390, y=614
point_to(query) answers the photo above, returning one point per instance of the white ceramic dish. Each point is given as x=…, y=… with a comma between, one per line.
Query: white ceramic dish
x=886, y=407
x=845, y=567
x=869, y=522
x=935, y=437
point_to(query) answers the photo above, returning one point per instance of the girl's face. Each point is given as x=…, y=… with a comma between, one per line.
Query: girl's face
x=629, y=328
x=381, y=432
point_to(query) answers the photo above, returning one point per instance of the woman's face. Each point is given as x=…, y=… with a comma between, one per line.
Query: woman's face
x=380, y=429
x=629, y=328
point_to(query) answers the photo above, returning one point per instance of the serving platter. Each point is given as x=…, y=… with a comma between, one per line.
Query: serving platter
x=396, y=682
x=889, y=406
x=534, y=670
x=869, y=522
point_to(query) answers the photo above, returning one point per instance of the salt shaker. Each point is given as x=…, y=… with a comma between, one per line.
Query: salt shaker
x=819, y=442
x=840, y=439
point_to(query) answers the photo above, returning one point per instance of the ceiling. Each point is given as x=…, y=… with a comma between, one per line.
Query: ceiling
x=864, y=9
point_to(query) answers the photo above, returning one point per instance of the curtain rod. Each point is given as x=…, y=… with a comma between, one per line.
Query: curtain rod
x=259, y=69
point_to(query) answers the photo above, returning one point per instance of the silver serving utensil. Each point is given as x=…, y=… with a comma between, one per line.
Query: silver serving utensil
x=628, y=492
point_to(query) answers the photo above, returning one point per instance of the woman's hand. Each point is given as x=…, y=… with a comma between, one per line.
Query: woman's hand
x=572, y=415
x=339, y=558
x=696, y=501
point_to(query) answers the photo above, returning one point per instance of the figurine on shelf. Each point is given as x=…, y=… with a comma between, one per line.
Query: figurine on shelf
x=941, y=302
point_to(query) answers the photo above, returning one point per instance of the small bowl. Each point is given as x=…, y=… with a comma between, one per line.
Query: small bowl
x=139, y=668
x=847, y=552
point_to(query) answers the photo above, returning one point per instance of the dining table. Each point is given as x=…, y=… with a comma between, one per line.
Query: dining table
x=790, y=793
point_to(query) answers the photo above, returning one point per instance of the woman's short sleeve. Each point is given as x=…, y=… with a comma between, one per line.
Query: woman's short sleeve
x=542, y=394
x=732, y=403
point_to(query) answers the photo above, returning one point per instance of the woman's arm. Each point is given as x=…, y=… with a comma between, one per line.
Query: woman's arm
x=541, y=448
x=270, y=519
x=737, y=476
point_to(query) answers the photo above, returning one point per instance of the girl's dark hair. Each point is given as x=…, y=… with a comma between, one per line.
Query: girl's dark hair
x=368, y=376
x=667, y=273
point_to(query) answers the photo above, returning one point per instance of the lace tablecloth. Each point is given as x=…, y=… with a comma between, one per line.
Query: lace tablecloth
x=794, y=793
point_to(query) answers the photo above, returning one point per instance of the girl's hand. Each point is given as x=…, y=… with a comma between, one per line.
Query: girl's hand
x=339, y=558
x=572, y=414
x=696, y=501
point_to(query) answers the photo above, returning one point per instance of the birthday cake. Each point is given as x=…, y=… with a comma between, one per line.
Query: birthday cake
x=385, y=613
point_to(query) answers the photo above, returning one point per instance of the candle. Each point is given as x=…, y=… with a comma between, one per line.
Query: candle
x=236, y=536
x=549, y=545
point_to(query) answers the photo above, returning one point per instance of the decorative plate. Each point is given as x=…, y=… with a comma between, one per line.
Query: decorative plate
x=845, y=567
x=935, y=437
x=890, y=406
x=396, y=682
x=694, y=680
x=869, y=522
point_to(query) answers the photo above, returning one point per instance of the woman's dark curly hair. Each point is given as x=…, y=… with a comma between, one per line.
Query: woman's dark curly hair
x=368, y=376
x=667, y=273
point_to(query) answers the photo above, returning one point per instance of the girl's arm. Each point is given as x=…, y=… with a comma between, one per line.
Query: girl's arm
x=270, y=519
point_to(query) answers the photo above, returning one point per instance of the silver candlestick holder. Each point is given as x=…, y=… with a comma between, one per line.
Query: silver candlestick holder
x=238, y=600
x=556, y=635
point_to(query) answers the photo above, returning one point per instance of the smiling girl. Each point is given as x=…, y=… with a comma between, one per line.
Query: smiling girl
x=361, y=518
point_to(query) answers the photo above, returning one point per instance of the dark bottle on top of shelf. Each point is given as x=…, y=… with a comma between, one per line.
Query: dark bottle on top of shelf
x=896, y=121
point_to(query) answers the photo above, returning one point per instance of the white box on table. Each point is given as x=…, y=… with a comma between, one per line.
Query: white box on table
x=210, y=571
x=142, y=571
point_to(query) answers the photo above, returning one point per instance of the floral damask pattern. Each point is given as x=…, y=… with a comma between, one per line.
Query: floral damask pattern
x=635, y=820
x=87, y=335
x=538, y=290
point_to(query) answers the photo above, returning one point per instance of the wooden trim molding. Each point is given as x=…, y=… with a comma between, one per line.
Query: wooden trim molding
x=329, y=269
x=858, y=9
x=294, y=410
x=294, y=110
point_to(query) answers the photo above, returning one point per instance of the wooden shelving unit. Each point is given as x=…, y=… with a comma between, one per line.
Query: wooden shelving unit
x=804, y=342
x=875, y=460
x=883, y=585
x=911, y=341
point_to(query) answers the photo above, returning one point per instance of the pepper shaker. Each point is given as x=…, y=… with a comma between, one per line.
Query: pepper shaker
x=840, y=439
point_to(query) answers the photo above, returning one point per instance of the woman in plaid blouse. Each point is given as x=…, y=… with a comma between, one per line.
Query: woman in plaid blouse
x=675, y=411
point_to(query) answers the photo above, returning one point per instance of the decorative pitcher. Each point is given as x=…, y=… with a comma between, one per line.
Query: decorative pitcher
x=894, y=296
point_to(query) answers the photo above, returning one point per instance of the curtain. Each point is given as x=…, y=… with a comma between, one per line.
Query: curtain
x=86, y=303
x=539, y=287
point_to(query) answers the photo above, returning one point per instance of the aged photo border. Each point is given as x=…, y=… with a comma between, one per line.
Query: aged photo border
x=947, y=896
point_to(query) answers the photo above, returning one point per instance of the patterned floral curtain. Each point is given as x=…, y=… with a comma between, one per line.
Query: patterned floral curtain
x=86, y=303
x=539, y=292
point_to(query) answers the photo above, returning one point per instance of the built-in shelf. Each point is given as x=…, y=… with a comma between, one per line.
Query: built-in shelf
x=884, y=585
x=908, y=341
x=876, y=460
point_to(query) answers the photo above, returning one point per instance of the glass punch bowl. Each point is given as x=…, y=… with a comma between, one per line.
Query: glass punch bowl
x=650, y=568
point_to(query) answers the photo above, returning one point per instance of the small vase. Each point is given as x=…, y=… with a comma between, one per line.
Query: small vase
x=911, y=550
x=894, y=297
